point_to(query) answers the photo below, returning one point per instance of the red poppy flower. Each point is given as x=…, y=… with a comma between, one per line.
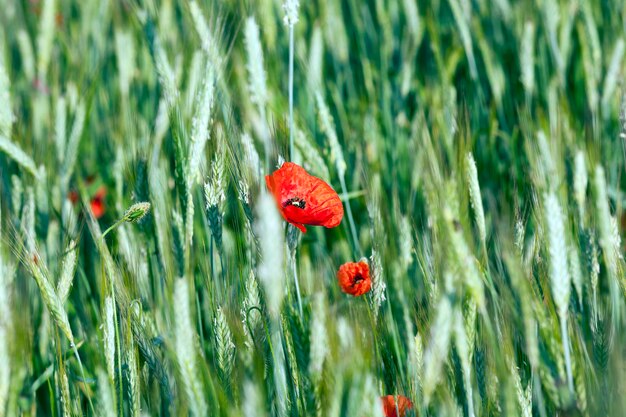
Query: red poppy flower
x=354, y=278
x=304, y=199
x=389, y=405
x=96, y=202
x=73, y=196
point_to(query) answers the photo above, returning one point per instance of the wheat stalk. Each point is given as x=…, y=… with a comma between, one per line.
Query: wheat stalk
x=256, y=71
x=185, y=349
x=290, y=19
x=580, y=183
x=16, y=153
x=466, y=38
x=60, y=127
x=475, y=197
x=318, y=337
x=68, y=269
x=26, y=54
x=207, y=38
x=6, y=114
x=369, y=398
x=224, y=345
x=437, y=349
x=527, y=59
x=105, y=394
x=71, y=149
x=378, y=281
x=416, y=362
x=167, y=78
x=607, y=239
x=65, y=392
x=336, y=156
x=406, y=242
x=612, y=74
x=560, y=279
x=45, y=38
x=316, y=60
x=5, y=356
x=125, y=54
x=253, y=402
x=271, y=268
x=552, y=16
x=524, y=395
x=134, y=384
x=109, y=337
x=463, y=348
x=252, y=156
x=466, y=261
x=313, y=160
x=214, y=192
x=576, y=271
x=201, y=123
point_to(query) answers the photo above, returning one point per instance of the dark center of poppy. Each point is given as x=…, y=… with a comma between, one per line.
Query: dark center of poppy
x=357, y=279
x=295, y=201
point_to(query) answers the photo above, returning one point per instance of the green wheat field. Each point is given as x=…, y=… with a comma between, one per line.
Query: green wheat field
x=477, y=147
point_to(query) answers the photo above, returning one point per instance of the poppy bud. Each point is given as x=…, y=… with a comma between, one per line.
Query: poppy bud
x=136, y=212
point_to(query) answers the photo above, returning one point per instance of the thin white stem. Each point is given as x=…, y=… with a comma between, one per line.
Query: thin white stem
x=291, y=51
x=350, y=218
x=291, y=151
x=295, y=280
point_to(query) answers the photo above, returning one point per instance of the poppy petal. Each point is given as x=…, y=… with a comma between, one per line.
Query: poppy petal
x=97, y=208
x=304, y=199
x=389, y=405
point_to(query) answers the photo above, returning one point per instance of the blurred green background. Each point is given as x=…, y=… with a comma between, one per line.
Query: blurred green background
x=478, y=147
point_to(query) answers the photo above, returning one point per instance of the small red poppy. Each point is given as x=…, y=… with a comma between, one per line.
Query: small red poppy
x=354, y=278
x=304, y=199
x=389, y=405
x=73, y=196
x=96, y=202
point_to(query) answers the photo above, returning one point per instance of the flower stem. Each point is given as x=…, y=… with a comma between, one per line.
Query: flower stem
x=113, y=226
x=295, y=279
x=291, y=51
x=355, y=239
x=292, y=245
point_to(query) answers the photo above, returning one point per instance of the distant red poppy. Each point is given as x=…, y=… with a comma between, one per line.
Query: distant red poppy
x=40, y=86
x=304, y=199
x=72, y=196
x=354, y=278
x=96, y=202
x=389, y=405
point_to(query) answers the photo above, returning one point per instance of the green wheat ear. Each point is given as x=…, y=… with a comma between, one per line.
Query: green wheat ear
x=134, y=213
